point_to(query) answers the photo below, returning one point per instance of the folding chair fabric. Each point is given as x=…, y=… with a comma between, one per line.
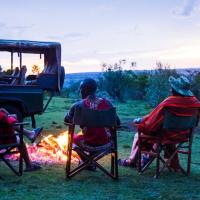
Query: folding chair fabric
x=94, y=118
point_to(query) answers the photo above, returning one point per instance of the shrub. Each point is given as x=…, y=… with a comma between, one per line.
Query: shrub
x=158, y=87
x=72, y=90
x=122, y=84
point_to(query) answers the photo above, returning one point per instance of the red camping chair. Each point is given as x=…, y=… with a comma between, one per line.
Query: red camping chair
x=11, y=145
x=182, y=146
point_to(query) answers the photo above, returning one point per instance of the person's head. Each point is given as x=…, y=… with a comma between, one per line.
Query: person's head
x=88, y=87
x=180, y=86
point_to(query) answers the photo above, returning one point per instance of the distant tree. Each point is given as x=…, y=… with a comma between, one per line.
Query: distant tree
x=116, y=81
x=194, y=77
x=158, y=87
x=72, y=90
x=8, y=71
x=35, y=69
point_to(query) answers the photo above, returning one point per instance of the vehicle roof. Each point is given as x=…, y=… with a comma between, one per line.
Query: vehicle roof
x=26, y=46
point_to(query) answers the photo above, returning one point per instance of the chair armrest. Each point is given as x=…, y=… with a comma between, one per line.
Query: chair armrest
x=148, y=137
x=68, y=124
x=21, y=123
x=10, y=76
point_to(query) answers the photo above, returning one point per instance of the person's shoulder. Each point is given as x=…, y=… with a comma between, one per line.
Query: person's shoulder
x=78, y=103
x=106, y=101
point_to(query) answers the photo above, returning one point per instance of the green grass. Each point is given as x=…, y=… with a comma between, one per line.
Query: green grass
x=50, y=183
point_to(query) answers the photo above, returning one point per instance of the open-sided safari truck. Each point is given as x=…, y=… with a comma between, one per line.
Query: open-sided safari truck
x=23, y=95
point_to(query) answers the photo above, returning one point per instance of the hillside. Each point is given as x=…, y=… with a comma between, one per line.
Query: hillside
x=75, y=77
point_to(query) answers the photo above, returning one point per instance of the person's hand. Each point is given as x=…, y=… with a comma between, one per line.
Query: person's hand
x=137, y=120
x=13, y=116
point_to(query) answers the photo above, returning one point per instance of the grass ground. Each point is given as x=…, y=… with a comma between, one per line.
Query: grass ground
x=49, y=183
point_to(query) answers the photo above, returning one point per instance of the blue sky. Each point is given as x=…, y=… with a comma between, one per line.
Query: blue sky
x=96, y=31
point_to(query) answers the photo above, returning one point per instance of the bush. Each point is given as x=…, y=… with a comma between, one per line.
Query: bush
x=122, y=84
x=194, y=77
x=72, y=90
x=158, y=87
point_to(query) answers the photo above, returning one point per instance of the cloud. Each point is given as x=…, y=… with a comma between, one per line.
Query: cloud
x=70, y=36
x=187, y=8
x=86, y=65
x=7, y=31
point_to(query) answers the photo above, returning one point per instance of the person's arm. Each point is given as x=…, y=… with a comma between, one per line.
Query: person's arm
x=69, y=116
x=5, y=118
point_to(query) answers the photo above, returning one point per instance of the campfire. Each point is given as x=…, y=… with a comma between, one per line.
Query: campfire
x=50, y=150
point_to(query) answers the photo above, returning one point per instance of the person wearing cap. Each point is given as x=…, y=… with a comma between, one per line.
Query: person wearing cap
x=181, y=96
x=90, y=136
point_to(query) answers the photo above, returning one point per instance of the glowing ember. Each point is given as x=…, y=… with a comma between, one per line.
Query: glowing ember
x=51, y=149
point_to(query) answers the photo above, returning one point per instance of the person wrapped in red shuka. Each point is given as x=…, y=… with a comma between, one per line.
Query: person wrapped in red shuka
x=151, y=124
x=90, y=136
x=7, y=129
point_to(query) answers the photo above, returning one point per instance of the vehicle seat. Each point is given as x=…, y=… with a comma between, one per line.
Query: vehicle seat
x=51, y=82
x=20, y=78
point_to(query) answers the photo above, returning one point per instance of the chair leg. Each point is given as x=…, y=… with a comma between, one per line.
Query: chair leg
x=69, y=151
x=148, y=164
x=157, y=162
x=116, y=165
x=189, y=157
x=20, y=164
x=10, y=166
x=139, y=159
x=112, y=163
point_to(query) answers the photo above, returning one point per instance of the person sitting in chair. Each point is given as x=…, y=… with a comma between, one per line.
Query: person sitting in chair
x=6, y=127
x=151, y=124
x=90, y=136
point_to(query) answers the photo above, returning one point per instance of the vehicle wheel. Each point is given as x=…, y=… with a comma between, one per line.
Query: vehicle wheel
x=14, y=110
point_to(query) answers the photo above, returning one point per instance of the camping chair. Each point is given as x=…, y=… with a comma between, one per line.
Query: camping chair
x=93, y=118
x=157, y=143
x=8, y=148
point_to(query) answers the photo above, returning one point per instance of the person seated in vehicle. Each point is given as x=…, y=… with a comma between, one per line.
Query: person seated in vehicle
x=6, y=128
x=19, y=79
x=51, y=78
x=22, y=75
x=151, y=124
x=90, y=136
x=8, y=79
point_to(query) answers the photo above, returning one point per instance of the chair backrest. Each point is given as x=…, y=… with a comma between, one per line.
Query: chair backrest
x=176, y=122
x=22, y=75
x=16, y=75
x=95, y=118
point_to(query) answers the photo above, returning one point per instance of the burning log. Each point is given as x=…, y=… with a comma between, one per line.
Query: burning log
x=51, y=149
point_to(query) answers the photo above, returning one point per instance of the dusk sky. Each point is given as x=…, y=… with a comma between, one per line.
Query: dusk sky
x=92, y=32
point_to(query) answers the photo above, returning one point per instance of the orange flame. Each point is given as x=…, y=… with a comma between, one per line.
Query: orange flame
x=51, y=149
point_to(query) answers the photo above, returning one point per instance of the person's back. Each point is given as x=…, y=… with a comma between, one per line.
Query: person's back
x=96, y=136
x=91, y=136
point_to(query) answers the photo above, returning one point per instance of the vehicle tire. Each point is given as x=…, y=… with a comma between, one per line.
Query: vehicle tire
x=14, y=110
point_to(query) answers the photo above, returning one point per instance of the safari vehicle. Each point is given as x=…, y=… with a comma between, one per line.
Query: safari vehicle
x=24, y=96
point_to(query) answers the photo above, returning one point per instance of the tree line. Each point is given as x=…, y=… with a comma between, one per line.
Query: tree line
x=152, y=86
